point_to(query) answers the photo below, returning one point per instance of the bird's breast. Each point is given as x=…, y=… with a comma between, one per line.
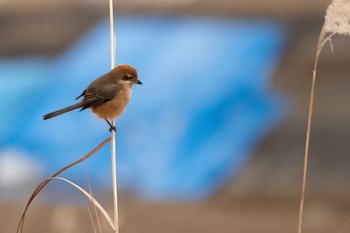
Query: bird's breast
x=115, y=107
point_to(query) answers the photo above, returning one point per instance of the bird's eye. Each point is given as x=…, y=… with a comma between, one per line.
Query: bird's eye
x=127, y=78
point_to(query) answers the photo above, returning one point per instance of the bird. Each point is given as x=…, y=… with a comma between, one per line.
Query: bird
x=107, y=96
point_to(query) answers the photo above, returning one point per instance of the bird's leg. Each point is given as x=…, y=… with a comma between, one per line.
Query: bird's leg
x=111, y=126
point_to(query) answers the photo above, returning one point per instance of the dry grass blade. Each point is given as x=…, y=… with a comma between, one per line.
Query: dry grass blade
x=337, y=21
x=92, y=221
x=45, y=182
x=93, y=200
x=307, y=143
x=95, y=210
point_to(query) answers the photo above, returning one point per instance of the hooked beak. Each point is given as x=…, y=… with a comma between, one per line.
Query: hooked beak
x=137, y=82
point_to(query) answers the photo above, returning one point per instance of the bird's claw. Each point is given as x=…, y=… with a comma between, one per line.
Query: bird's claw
x=112, y=128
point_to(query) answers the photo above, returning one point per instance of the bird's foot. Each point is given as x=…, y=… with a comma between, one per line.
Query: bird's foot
x=113, y=128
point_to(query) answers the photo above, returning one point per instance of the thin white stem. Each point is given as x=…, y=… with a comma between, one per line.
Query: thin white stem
x=113, y=141
x=111, y=22
x=114, y=179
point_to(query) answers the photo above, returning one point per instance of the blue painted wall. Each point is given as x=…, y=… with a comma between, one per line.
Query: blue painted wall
x=205, y=104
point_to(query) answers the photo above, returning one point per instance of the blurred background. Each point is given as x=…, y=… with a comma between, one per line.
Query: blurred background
x=213, y=140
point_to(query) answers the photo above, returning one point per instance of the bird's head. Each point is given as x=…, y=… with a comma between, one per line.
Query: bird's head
x=126, y=75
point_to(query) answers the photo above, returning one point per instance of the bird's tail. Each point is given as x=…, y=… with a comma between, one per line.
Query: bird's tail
x=61, y=111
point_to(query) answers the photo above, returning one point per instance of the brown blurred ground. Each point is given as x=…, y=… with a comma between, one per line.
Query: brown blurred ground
x=219, y=215
x=264, y=197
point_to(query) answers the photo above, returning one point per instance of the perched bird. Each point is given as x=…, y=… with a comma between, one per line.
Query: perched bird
x=107, y=96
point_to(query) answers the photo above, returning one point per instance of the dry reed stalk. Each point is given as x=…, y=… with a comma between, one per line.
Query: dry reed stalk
x=113, y=141
x=337, y=21
x=45, y=182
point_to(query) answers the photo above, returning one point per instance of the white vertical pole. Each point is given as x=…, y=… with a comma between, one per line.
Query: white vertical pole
x=113, y=141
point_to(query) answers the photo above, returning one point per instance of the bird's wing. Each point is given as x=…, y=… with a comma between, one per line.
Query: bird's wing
x=99, y=94
x=82, y=94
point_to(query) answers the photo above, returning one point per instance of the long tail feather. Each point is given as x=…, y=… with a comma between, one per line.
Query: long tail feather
x=64, y=110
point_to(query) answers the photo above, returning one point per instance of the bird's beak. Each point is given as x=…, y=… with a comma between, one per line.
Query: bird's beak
x=136, y=81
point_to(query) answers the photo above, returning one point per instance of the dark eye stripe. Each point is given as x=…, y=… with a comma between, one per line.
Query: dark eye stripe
x=127, y=78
